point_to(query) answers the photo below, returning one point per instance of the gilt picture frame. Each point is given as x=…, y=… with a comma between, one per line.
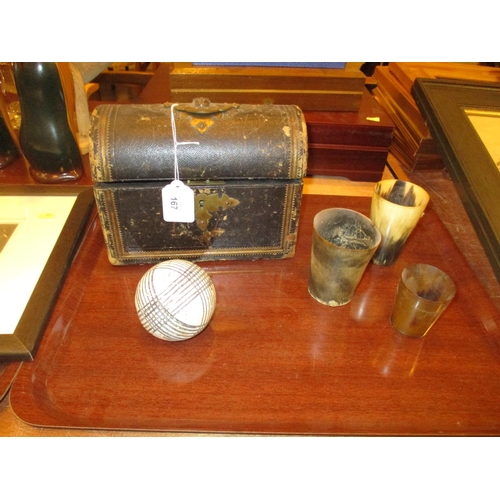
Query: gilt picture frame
x=41, y=227
x=464, y=120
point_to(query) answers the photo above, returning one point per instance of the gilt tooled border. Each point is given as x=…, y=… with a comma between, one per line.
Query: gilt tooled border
x=102, y=130
x=95, y=156
x=110, y=224
x=297, y=145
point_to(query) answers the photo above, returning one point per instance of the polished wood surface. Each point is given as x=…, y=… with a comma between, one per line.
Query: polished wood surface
x=308, y=88
x=11, y=425
x=349, y=145
x=8, y=372
x=272, y=360
x=158, y=88
x=448, y=205
x=17, y=173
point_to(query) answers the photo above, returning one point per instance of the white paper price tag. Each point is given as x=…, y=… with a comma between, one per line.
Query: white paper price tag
x=178, y=202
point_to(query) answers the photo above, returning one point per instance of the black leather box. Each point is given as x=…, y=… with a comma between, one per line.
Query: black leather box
x=243, y=163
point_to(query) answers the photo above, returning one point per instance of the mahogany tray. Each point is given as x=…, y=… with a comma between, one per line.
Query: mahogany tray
x=272, y=360
x=7, y=373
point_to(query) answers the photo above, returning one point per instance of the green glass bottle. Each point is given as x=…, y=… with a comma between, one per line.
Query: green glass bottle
x=45, y=136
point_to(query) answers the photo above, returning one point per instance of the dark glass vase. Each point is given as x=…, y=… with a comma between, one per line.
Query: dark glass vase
x=45, y=136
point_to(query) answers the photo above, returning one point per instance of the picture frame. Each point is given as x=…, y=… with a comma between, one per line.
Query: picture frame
x=42, y=231
x=468, y=148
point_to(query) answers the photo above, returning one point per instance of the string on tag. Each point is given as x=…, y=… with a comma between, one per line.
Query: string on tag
x=177, y=198
x=176, y=143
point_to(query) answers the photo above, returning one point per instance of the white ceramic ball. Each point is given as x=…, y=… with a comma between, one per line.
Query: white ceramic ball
x=175, y=300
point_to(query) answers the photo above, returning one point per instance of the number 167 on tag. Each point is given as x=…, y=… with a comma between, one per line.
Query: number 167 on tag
x=178, y=202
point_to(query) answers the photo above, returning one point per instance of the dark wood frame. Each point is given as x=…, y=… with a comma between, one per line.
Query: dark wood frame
x=23, y=343
x=443, y=102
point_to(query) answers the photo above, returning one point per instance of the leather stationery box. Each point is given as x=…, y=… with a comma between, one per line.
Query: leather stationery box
x=243, y=165
x=350, y=145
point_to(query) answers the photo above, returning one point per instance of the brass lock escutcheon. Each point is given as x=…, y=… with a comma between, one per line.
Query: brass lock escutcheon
x=201, y=111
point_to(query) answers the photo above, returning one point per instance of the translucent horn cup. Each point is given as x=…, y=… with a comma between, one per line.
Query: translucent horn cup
x=423, y=293
x=396, y=208
x=343, y=244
